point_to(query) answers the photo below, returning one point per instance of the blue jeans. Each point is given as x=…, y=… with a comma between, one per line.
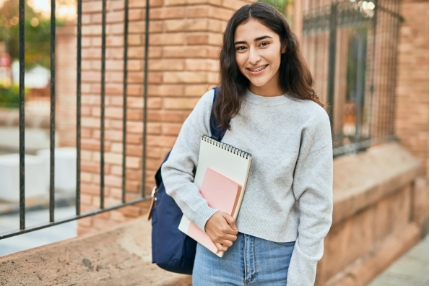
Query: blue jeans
x=249, y=261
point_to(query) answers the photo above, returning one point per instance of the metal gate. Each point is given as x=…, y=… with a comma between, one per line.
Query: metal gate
x=102, y=208
x=351, y=49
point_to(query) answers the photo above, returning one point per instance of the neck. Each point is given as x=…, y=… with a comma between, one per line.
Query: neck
x=264, y=91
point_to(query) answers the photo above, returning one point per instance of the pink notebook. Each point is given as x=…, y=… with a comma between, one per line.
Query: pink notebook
x=222, y=194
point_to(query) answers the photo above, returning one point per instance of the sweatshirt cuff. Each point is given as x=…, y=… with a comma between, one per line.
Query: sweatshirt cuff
x=302, y=269
x=203, y=214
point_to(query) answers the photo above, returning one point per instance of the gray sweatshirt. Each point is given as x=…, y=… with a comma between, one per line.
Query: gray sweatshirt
x=288, y=196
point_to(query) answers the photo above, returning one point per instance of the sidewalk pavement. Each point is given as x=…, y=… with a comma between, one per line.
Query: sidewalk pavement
x=10, y=222
x=412, y=269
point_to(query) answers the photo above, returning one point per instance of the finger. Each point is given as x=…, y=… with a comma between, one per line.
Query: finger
x=227, y=230
x=230, y=237
x=230, y=231
x=221, y=247
x=225, y=235
x=226, y=243
x=230, y=220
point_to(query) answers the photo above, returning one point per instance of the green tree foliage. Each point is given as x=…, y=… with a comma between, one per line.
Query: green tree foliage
x=37, y=34
x=9, y=97
x=284, y=6
x=280, y=4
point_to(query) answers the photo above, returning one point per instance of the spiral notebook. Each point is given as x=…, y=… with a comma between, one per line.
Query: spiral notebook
x=228, y=168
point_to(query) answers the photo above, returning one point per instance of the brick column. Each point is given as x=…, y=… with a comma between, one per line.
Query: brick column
x=412, y=90
x=185, y=38
x=65, y=85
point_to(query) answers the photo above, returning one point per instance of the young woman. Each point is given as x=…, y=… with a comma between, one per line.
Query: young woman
x=267, y=103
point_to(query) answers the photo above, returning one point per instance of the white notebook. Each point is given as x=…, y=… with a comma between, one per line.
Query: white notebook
x=228, y=161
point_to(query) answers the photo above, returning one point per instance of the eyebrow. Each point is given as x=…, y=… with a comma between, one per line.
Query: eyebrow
x=255, y=40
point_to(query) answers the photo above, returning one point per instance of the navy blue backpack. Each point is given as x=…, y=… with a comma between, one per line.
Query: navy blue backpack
x=173, y=250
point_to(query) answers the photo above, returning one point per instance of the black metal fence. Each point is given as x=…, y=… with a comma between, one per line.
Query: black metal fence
x=351, y=49
x=102, y=208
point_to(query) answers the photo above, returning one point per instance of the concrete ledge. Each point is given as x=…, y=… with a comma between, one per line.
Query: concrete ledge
x=364, y=269
x=119, y=256
x=363, y=179
x=36, y=139
x=10, y=117
x=379, y=213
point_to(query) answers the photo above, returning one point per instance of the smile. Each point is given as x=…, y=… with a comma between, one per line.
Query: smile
x=257, y=69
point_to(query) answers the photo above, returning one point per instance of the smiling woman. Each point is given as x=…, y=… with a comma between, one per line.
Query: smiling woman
x=258, y=56
x=264, y=26
x=268, y=107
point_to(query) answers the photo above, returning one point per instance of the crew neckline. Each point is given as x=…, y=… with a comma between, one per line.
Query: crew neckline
x=265, y=100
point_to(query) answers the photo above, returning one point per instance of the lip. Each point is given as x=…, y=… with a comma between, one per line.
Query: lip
x=258, y=72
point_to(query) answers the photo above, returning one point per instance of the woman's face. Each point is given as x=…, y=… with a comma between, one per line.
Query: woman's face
x=258, y=56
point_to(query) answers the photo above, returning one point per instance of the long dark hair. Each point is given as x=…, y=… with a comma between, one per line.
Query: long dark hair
x=294, y=75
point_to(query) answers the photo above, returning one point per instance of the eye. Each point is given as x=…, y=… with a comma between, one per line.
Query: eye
x=264, y=44
x=240, y=48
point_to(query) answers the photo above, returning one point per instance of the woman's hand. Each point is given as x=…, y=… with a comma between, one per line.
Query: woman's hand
x=221, y=228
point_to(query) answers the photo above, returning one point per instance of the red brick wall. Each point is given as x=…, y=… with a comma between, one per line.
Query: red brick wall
x=185, y=37
x=412, y=91
x=91, y=88
x=65, y=85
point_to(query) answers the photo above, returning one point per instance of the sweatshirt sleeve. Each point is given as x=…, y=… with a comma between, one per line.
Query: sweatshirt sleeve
x=312, y=187
x=177, y=171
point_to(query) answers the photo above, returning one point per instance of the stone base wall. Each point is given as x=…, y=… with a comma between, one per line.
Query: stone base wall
x=380, y=210
x=116, y=256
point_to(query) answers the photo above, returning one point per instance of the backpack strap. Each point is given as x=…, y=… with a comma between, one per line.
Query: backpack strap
x=217, y=131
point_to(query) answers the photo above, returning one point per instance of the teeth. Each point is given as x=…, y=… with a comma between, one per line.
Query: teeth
x=258, y=69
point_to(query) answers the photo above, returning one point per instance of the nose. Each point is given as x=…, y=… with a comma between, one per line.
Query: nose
x=254, y=56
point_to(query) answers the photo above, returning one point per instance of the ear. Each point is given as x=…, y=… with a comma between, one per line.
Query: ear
x=284, y=47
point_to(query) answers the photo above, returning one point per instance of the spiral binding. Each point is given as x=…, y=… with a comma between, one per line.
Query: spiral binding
x=227, y=147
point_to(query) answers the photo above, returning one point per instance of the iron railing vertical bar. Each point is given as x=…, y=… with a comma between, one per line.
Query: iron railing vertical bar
x=393, y=69
x=390, y=93
x=315, y=58
x=21, y=115
x=326, y=63
x=315, y=51
x=78, y=106
x=389, y=74
x=332, y=61
x=373, y=67
x=390, y=88
x=52, y=119
x=360, y=82
x=381, y=68
x=124, y=112
x=398, y=21
x=145, y=98
x=387, y=80
x=378, y=113
x=102, y=107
